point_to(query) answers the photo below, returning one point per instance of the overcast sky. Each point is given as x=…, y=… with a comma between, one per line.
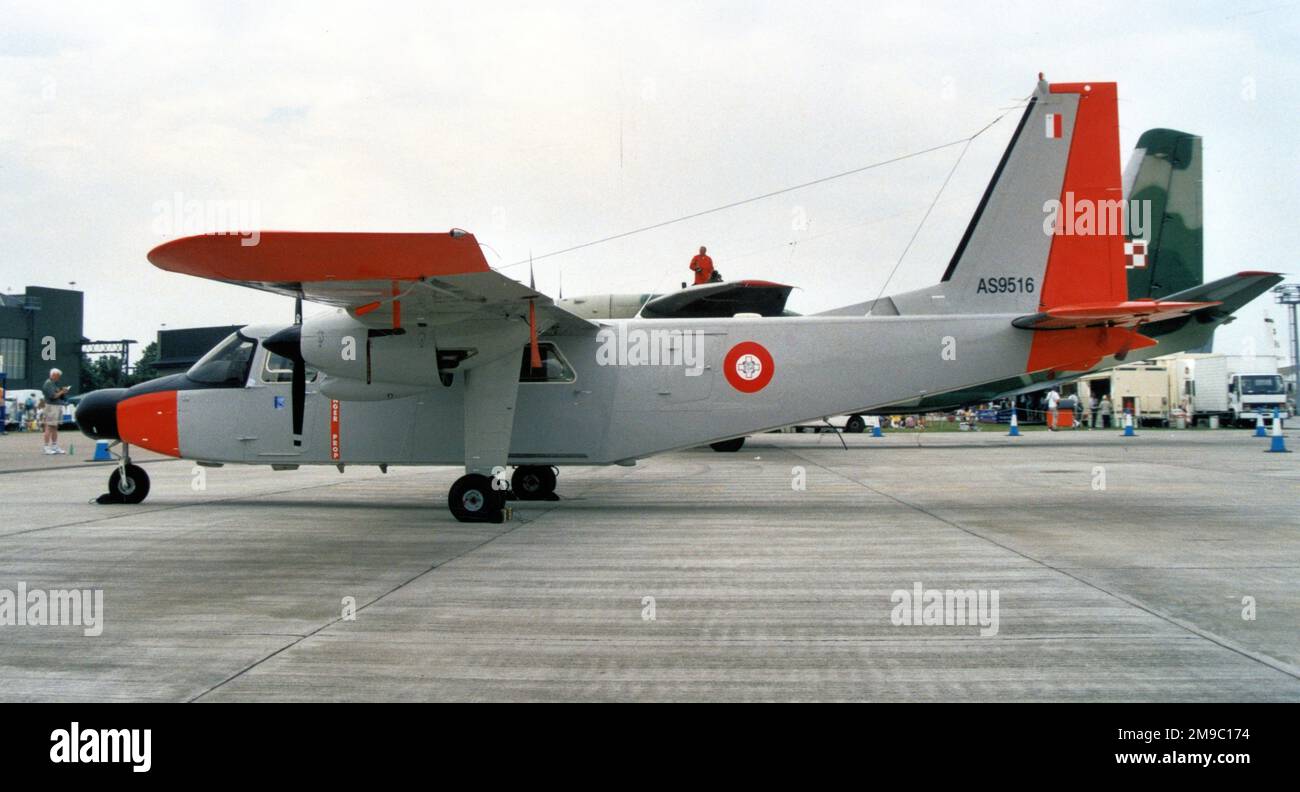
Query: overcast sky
x=543, y=125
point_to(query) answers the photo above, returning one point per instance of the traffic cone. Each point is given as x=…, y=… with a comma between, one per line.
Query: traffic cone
x=1278, y=445
x=1259, y=425
x=1015, y=424
x=1128, y=425
x=875, y=427
x=101, y=452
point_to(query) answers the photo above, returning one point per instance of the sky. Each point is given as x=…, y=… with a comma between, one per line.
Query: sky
x=539, y=126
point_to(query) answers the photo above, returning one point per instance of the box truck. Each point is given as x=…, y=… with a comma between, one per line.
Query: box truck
x=1238, y=388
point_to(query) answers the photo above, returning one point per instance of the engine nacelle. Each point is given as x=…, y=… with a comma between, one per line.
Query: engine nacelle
x=344, y=349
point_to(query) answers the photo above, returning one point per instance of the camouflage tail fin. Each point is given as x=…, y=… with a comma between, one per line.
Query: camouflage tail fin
x=1162, y=191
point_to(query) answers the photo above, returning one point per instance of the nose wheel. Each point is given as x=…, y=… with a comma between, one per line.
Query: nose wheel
x=127, y=484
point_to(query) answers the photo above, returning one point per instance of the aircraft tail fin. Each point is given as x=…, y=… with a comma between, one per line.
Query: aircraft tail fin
x=1048, y=230
x=1162, y=192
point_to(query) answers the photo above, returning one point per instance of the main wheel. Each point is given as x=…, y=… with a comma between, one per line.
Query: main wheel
x=131, y=488
x=533, y=482
x=472, y=499
x=728, y=446
x=856, y=424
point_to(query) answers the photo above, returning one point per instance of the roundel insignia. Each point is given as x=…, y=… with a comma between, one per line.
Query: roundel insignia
x=748, y=367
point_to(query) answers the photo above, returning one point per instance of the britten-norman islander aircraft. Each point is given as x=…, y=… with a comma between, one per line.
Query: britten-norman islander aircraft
x=432, y=358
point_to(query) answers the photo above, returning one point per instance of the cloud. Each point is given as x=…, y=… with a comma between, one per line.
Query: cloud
x=539, y=126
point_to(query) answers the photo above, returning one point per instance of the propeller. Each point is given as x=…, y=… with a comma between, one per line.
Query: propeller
x=287, y=343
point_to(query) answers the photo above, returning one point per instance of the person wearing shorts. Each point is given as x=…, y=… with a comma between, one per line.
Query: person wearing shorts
x=55, y=396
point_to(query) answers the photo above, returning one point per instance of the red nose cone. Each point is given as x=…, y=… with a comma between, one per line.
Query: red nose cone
x=149, y=421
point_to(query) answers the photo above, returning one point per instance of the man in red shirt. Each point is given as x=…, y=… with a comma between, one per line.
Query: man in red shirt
x=702, y=266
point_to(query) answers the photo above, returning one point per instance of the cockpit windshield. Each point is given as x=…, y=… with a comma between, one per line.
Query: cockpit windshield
x=227, y=363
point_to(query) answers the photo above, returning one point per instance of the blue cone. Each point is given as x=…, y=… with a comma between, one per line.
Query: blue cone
x=101, y=452
x=1278, y=446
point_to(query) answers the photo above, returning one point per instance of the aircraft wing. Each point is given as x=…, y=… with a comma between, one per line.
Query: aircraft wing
x=383, y=279
x=1127, y=313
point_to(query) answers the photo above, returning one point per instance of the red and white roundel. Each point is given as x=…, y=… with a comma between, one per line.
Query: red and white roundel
x=749, y=367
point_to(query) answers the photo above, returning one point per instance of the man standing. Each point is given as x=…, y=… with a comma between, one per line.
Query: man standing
x=54, y=401
x=1106, y=409
x=702, y=266
x=1053, y=408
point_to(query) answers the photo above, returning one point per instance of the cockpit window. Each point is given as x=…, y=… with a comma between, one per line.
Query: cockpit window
x=227, y=363
x=554, y=367
x=279, y=368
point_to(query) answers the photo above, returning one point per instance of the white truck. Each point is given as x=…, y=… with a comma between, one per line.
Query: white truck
x=1238, y=388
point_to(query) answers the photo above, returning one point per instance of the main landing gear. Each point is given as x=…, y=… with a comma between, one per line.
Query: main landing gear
x=479, y=498
x=128, y=483
x=534, y=482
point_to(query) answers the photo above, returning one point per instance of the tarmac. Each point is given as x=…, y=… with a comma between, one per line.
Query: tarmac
x=1164, y=567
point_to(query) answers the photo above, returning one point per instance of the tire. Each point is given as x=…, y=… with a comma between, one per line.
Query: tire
x=472, y=499
x=856, y=424
x=533, y=482
x=728, y=446
x=133, y=488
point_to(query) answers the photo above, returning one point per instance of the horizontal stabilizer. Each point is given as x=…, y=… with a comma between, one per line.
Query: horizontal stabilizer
x=1129, y=313
x=1232, y=291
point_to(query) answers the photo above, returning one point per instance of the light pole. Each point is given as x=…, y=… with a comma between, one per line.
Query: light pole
x=1288, y=294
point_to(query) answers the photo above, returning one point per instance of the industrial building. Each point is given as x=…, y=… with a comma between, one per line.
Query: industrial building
x=40, y=329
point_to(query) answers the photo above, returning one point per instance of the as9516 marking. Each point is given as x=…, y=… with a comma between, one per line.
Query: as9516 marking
x=1005, y=284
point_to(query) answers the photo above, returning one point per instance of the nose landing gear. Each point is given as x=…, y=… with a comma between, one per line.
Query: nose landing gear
x=128, y=483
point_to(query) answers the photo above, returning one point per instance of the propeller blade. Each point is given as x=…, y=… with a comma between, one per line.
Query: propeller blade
x=287, y=343
x=299, y=395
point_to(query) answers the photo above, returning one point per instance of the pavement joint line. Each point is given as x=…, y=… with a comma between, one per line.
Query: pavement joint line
x=403, y=584
x=1232, y=646
x=105, y=463
x=154, y=510
x=360, y=608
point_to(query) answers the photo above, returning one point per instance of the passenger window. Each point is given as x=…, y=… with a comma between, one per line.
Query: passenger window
x=280, y=369
x=554, y=367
